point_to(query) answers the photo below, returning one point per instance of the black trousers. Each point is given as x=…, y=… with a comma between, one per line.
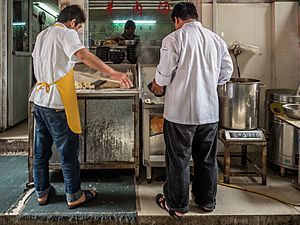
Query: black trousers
x=182, y=142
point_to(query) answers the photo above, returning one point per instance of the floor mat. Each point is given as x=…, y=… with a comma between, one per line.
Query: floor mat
x=115, y=200
x=12, y=180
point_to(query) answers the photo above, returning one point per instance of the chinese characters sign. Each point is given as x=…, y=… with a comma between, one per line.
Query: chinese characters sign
x=163, y=7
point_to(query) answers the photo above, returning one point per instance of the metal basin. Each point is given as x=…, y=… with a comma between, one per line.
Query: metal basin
x=239, y=100
x=292, y=110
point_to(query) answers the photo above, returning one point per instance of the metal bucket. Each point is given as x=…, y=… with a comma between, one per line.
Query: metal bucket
x=239, y=102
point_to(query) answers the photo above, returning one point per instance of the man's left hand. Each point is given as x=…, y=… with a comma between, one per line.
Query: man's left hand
x=156, y=89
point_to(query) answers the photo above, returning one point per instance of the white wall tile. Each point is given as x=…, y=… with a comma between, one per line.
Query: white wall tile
x=286, y=81
x=207, y=16
x=254, y=66
x=286, y=14
x=237, y=15
x=287, y=73
x=245, y=35
x=263, y=39
x=286, y=39
x=263, y=16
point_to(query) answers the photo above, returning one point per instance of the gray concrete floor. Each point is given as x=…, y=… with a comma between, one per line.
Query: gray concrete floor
x=232, y=201
x=229, y=201
x=20, y=131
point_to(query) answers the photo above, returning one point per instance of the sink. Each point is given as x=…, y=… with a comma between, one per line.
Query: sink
x=292, y=110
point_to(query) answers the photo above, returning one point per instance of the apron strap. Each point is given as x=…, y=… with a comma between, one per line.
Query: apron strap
x=40, y=85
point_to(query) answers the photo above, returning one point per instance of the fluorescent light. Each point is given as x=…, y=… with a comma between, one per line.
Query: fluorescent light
x=19, y=23
x=46, y=8
x=136, y=21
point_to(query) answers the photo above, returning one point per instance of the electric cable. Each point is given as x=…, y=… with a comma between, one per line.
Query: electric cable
x=290, y=204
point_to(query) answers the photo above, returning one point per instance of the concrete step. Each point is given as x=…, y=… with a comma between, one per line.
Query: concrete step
x=205, y=219
x=17, y=146
x=15, y=140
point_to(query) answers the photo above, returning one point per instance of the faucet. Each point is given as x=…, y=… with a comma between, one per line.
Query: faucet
x=298, y=89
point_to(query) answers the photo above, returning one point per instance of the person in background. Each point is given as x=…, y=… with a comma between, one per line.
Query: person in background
x=128, y=33
x=55, y=106
x=193, y=62
x=134, y=48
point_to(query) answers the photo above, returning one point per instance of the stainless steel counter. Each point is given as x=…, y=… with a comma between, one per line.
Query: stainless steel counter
x=293, y=122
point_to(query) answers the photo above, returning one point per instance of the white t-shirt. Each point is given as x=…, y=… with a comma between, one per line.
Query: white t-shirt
x=52, y=59
x=193, y=62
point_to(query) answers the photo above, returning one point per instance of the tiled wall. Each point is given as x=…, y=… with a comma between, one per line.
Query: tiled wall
x=286, y=49
x=273, y=27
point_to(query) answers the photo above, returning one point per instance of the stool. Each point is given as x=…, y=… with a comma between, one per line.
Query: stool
x=260, y=171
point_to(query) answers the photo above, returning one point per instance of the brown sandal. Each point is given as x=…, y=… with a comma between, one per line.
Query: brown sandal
x=88, y=197
x=46, y=201
x=161, y=202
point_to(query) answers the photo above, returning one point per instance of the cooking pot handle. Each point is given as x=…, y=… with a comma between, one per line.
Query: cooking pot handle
x=262, y=85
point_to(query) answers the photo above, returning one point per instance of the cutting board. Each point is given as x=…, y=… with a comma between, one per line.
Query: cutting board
x=88, y=77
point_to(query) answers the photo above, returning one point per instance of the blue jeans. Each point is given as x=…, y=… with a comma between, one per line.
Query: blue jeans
x=182, y=142
x=51, y=127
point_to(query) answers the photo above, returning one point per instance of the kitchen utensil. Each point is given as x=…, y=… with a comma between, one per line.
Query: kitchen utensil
x=298, y=89
x=292, y=110
x=98, y=83
x=129, y=42
x=96, y=76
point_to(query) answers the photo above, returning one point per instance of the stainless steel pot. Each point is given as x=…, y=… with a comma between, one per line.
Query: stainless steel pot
x=284, y=144
x=239, y=102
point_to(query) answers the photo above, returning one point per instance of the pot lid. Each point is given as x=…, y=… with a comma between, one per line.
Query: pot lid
x=244, y=80
x=283, y=95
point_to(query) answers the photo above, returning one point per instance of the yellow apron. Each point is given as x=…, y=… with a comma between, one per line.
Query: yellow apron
x=66, y=89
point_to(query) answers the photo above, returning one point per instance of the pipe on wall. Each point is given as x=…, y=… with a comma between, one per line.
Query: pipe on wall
x=215, y=16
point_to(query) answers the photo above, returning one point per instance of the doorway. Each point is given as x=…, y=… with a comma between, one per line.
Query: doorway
x=19, y=60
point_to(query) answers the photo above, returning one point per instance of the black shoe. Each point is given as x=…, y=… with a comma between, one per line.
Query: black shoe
x=207, y=209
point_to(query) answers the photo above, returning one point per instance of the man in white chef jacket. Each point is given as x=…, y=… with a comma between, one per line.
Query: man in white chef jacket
x=193, y=62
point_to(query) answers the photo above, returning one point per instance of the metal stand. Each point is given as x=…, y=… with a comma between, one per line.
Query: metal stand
x=260, y=171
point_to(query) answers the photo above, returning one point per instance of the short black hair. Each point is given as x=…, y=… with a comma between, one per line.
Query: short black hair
x=184, y=11
x=71, y=12
x=129, y=23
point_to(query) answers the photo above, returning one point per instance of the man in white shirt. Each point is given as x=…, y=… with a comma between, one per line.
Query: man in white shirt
x=55, y=103
x=193, y=62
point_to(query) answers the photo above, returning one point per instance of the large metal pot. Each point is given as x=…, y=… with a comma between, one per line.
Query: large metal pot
x=239, y=102
x=284, y=144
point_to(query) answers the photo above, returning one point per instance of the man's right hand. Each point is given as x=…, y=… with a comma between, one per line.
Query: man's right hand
x=125, y=82
x=97, y=64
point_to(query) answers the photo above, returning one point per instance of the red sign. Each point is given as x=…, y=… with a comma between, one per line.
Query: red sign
x=109, y=7
x=138, y=8
x=163, y=7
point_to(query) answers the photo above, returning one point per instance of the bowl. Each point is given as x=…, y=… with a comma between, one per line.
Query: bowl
x=129, y=42
x=292, y=110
